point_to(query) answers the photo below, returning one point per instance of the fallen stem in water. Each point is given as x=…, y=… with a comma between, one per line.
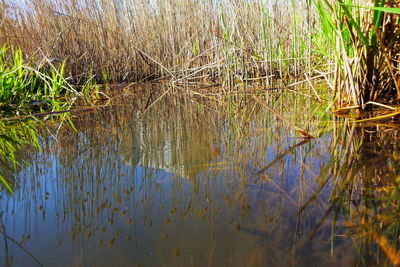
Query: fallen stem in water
x=281, y=156
x=22, y=247
x=390, y=115
x=304, y=133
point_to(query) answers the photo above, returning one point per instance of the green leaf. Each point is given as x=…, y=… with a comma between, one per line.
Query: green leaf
x=5, y=184
x=393, y=10
x=353, y=23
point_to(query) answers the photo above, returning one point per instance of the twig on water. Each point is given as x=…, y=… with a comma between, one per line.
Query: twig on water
x=313, y=88
x=281, y=156
x=21, y=247
x=304, y=133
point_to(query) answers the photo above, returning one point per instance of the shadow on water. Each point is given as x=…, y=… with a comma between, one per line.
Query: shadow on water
x=183, y=184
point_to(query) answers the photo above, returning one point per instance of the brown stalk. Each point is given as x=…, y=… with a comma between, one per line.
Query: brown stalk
x=304, y=133
x=281, y=156
x=144, y=44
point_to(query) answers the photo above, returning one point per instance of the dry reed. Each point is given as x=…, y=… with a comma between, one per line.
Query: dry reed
x=183, y=39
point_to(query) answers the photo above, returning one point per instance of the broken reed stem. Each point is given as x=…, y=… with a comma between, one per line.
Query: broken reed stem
x=313, y=88
x=281, y=156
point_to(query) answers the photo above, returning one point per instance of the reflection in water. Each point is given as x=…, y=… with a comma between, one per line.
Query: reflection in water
x=182, y=185
x=13, y=136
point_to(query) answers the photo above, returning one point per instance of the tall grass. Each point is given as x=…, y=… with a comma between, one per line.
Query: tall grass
x=365, y=44
x=183, y=39
x=26, y=89
x=233, y=41
x=23, y=87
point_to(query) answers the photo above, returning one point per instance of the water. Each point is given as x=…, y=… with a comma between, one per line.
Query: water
x=183, y=183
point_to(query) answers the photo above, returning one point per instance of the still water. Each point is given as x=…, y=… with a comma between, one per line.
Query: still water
x=216, y=181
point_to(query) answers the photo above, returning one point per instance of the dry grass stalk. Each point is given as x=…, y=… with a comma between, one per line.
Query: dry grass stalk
x=132, y=40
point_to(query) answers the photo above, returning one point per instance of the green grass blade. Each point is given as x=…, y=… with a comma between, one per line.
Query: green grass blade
x=5, y=184
x=353, y=23
x=393, y=10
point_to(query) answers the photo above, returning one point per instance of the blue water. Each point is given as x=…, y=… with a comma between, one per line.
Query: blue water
x=174, y=188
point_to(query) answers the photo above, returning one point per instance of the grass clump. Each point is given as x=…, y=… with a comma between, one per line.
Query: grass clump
x=24, y=88
x=365, y=41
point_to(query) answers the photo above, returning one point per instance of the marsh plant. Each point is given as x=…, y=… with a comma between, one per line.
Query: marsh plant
x=25, y=88
x=178, y=39
x=365, y=40
x=27, y=91
x=355, y=44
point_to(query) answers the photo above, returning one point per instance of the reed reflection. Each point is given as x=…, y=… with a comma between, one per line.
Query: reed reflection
x=181, y=184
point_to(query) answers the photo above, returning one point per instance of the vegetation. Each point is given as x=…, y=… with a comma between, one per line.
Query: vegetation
x=27, y=91
x=372, y=209
x=179, y=39
x=229, y=41
x=24, y=88
x=13, y=137
x=69, y=49
x=366, y=45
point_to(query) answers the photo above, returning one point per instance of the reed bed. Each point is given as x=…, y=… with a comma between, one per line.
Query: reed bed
x=228, y=41
x=180, y=39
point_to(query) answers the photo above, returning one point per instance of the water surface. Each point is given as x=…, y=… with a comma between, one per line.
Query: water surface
x=196, y=182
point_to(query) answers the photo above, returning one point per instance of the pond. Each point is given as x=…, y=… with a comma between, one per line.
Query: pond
x=167, y=180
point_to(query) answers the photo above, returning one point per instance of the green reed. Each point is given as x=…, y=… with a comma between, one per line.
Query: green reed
x=25, y=88
x=364, y=41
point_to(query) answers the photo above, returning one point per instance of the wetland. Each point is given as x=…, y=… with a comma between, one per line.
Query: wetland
x=199, y=133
